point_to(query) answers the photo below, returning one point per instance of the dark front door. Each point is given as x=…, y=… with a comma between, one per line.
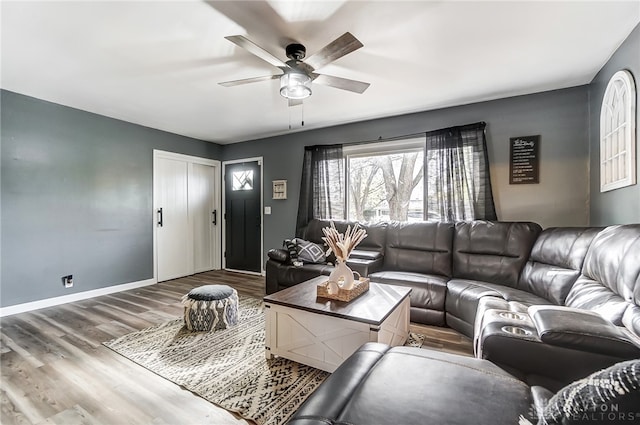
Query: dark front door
x=243, y=228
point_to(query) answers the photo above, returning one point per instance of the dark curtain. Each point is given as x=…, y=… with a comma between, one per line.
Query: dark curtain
x=458, y=186
x=322, y=186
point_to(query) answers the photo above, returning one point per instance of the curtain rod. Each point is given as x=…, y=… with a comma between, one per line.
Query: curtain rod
x=407, y=136
x=388, y=139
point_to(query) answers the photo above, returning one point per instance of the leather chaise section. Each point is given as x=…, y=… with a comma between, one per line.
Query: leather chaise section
x=397, y=387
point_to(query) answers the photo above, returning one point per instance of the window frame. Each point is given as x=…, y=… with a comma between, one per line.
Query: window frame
x=621, y=158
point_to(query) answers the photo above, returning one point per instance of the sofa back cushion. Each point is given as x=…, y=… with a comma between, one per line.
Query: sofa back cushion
x=610, y=279
x=492, y=251
x=375, y=240
x=420, y=247
x=556, y=261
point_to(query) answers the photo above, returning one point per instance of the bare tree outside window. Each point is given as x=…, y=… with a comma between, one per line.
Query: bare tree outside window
x=366, y=189
x=386, y=187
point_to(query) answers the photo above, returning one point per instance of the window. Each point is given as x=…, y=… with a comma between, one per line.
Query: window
x=617, y=133
x=385, y=181
x=390, y=181
x=242, y=180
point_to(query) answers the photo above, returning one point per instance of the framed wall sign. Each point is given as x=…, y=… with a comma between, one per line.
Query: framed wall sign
x=279, y=189
x=524, y=160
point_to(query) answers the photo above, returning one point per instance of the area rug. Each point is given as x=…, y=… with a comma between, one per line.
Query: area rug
x=228, y=367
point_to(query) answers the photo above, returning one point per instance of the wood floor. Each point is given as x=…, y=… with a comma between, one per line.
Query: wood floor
x=55, y=369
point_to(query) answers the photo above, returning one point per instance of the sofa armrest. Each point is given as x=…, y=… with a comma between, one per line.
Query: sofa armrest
x=279, y=255
x=582, y=330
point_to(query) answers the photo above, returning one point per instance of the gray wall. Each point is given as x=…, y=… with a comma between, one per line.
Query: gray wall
x=76, y=198
x=618, y=206
x=559, y=117
x=76, y=188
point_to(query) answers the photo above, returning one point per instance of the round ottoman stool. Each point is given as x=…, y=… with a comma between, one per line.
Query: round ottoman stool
x=210, y=307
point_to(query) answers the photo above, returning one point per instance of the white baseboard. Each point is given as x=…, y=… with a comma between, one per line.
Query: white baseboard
x=79, y=296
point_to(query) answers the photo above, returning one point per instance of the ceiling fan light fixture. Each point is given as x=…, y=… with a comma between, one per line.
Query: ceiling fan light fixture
x=295, y=85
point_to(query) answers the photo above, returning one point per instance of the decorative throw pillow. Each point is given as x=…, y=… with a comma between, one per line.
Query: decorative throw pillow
x=292, y=248
x=310, y=252
x=612, y=391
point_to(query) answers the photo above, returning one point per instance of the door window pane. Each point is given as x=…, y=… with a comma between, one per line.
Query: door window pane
x=242, y=180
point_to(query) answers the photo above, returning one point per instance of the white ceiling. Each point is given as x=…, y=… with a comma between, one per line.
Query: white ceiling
x=158, y=63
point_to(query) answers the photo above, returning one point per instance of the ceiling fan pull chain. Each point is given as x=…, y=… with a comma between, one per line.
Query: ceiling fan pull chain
x=302, y=109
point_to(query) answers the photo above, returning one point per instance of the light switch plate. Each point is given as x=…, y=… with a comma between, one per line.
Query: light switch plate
x=267, y=210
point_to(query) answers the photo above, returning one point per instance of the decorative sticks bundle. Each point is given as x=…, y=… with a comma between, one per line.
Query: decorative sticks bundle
x=340, y=244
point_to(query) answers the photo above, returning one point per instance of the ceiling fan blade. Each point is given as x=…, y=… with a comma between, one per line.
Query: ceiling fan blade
x=249, y=80
x=295, y=102
x=339, y=47
x=252, y=47
x=340, y=83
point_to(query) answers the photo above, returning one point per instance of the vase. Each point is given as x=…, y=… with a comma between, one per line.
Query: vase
x=342, y=275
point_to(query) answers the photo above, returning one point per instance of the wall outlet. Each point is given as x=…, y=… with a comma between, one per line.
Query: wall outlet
x=67, y=281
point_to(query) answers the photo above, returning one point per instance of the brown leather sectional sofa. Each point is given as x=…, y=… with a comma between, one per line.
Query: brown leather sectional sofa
x=553, y=304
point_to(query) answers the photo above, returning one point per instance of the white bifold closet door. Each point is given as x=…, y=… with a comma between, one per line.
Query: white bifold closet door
x=203, y=214
x=185, y=198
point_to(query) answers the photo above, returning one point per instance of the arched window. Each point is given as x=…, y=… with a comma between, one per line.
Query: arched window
x=618, y=133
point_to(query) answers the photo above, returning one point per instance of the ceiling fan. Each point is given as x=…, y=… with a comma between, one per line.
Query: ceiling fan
x=297, y=75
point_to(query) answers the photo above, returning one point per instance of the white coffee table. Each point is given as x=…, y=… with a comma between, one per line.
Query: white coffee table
x=322, y=333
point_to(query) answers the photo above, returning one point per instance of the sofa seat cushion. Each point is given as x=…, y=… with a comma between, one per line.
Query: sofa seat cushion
x=407, y=385
x=463, y=296
x=427, y=295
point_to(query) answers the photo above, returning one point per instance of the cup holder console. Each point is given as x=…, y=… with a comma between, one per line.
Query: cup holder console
x=512, y=316
x=501, y=331
x=516, y=330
